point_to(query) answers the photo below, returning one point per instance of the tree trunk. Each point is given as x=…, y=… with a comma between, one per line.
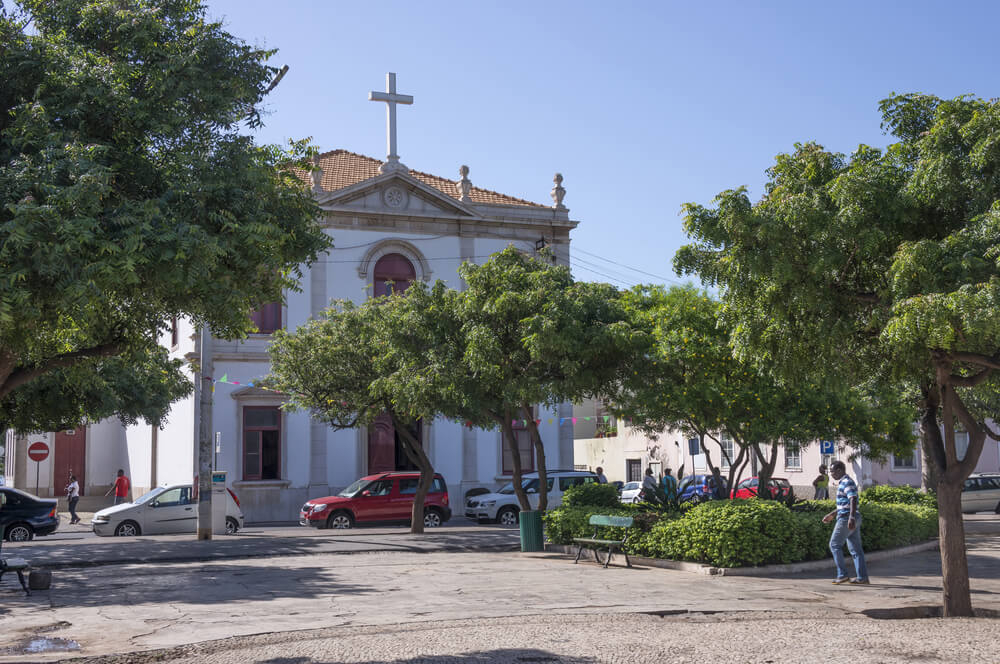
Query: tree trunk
x=954, y=563
x=415, y=452
x=507, y=430
x=536, y=441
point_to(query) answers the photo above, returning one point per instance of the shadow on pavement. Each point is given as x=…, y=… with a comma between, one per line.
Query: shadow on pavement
x=128, y=589
x=505, y=655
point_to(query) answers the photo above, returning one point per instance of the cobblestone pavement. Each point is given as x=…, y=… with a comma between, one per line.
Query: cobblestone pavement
x=398, y=604
x=633, y=639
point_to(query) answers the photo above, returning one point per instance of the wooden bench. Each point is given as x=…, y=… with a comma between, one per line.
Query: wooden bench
x=597, y=544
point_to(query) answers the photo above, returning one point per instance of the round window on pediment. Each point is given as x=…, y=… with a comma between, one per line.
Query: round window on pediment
x=394, y=197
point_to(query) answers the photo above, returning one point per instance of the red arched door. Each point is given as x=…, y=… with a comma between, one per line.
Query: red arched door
x=393, y=274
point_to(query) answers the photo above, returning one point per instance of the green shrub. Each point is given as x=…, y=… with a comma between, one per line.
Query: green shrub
x=564, y=523
x=740, y=533
x=905, y=495
x=592, y=494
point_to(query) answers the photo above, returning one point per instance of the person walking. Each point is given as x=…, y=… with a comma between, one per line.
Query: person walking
x=649, y=485
x=847, y=527
x=601, y=478
x=121, y=487
x=821, y=485
x=669, y=484
x=73, y=497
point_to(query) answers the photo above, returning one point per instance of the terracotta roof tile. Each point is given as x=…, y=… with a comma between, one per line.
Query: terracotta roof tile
x=342, y=169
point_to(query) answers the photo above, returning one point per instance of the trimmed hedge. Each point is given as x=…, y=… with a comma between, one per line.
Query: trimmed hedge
x=736, y=533
x=592, y=494
x=905, y=495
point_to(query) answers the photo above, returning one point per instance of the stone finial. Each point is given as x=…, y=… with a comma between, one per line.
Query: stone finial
x=317, y=175
x=558, y=193
x=464, y=186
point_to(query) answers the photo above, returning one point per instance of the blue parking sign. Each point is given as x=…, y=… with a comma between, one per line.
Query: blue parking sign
x=826, y=447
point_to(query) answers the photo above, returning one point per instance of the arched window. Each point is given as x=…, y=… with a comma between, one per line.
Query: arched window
x=393, y=274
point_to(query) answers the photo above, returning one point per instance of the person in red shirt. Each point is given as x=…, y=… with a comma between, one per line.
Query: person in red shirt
x=120, y=488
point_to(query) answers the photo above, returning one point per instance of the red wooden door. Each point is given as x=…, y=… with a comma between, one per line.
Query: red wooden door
x=381, y=445
x=70, y=458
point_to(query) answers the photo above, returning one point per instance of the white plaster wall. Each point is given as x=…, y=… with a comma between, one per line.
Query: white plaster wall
x=342, y=458
x=107, y=451
x=138, y=442
x=175, y=444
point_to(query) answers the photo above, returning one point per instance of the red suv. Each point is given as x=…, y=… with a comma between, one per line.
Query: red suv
x=748, y=488
x=380, y=497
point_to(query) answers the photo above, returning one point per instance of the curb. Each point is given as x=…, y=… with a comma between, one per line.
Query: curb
x=766, y=570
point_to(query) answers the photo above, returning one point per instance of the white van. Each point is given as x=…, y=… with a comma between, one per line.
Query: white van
x=502, y=506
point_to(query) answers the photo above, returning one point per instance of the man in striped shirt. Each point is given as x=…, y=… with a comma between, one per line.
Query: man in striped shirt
x=847, y=528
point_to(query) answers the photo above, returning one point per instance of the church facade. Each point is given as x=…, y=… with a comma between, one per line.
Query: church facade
x=391, y=226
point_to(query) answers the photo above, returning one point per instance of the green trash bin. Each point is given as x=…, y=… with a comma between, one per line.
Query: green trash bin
x=531, y=531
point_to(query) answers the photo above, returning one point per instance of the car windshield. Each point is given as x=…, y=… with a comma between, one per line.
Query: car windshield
x=146, y=497
x=354, y=489
x=685, y=483
x=631, y=486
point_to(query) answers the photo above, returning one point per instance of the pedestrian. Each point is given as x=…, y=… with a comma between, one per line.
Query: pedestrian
x=73, y=497
x=120, y=488
x=718, y=485
x=669, y=484
x=649, y=485
x=847, y=527
x=821, y=485
x=601, y=479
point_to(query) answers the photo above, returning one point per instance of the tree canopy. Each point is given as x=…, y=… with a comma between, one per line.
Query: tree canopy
x=883, y=265
x=127, y=193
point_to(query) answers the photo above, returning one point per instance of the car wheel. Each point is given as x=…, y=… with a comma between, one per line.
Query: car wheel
x=340, y=521
x=636, y=500
x=996, y=510
x=232, y=526
x=128, y=529
x=20, y=532
x=507, y=516
x=432, y=519
x=695, y=500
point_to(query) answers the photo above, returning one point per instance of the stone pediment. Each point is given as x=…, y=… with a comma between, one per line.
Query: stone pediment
x=396, y=193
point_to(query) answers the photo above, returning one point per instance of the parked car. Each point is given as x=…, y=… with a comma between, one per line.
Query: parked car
x=981, y=493
x=383, y=497
x=502, y=506
x=631, y=492
x=23, y=515
x=162, y=511
x=748, y=488
x=697, y=488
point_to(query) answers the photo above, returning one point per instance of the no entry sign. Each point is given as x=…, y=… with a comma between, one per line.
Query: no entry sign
x=38, y=451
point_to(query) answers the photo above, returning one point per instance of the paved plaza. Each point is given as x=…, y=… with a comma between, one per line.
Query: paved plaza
x=462, y=594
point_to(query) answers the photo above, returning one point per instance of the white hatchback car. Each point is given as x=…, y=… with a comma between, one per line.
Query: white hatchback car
x=503, y=507
x=164, y=510
x=981, y=493
x=631, y=492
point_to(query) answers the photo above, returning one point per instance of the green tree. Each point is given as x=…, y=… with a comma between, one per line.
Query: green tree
x=124, y=386
x=339, y=367
x=883, y=265
x=534, y=336
x=693, y=381
x=127, y=194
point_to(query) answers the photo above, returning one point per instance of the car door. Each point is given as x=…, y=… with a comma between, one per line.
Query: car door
x=401, y=499
x=170, y=512
x=373, y=503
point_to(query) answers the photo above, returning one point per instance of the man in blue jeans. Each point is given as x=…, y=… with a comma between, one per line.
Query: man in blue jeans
x=847, y=528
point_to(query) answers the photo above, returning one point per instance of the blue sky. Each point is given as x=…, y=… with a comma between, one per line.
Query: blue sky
x=641, y=106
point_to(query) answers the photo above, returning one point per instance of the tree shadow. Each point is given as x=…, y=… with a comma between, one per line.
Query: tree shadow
x=501, y=655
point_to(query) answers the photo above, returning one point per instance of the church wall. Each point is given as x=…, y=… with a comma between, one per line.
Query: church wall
x=175, y=444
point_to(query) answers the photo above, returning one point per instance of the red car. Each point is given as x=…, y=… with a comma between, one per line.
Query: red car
x=780, y=488
x=383, y=497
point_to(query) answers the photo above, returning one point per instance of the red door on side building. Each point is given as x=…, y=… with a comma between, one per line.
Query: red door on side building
x=70, y=458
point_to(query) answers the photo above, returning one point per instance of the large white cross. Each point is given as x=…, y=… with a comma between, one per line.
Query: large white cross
x=391, y=99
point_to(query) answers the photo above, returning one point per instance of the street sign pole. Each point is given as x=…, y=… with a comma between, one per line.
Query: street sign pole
x=38, y=470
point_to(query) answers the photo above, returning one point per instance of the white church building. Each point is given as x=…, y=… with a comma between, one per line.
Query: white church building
x=388, y=223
